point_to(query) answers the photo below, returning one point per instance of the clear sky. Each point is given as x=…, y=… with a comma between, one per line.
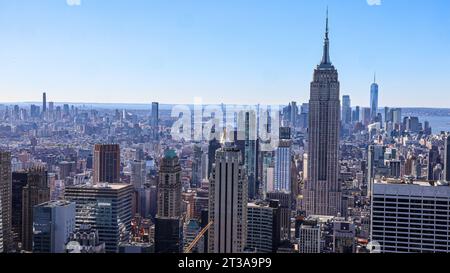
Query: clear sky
x=231, y=51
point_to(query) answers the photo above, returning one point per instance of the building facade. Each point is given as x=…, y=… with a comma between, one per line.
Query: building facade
x=263, y=232
x=168, y=222
x=106, y=163
x=6, y=200
x=107, y=208
x=373, y=100
x=228, y=203
x=411, y=218
x=447, y=158
x=53, y=222
x=34, y=193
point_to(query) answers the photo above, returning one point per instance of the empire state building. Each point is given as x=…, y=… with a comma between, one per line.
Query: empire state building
x=323, y=190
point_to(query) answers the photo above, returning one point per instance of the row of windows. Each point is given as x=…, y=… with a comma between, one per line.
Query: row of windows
x=416, y=206
x=397, y=219
x=414, y=201
x=410, y=233
x=409, y=215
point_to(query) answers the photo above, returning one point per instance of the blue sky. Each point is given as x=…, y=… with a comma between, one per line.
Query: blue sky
x=231, y=51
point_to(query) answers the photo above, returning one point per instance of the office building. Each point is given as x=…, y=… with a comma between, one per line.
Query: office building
x=434, y=159
x=283, y=160
x=154, y=121
x=373, y=100
x=138, y=173
x=107, y=208
x=168, y=222
x=263, y=232
x=447, y=158
x=1, y=230
x=19, y=181
x=323, y=190
x=169, y=186
x=53, y=223
x=106, y=163
x=356, y=114
x=44, y=103
x=228, y=203
x=247, y=136
x=34, y=193
x=346, y=110
x=411, y=217
x=285, y=208
x=214, y=145
x=344, y=237
x=310, y=237
x=6, y=200
x=375, y=164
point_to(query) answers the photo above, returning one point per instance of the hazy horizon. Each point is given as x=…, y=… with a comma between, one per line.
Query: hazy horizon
x=243, y=52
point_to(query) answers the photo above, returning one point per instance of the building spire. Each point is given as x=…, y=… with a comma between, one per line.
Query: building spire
x=375, y=77
x=326, y=48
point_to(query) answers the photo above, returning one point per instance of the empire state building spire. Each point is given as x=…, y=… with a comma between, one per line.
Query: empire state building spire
x=326, y=61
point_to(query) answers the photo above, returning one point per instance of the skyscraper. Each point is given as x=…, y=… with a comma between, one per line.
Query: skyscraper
x=447, y=158
x=106, y=208
x=355, y=114
x=346, y=110
x=168, y=224
x=214, y=145
x=283, y=159
x=106, y=163
x=294, y=114
x=169, y=186
x=250, y=153
x=434, y=160
x=35, y=192
x=53, y=222
x=323, y=191
x=373, y=100
x=5, y=199
x=44, y=103
x=154, y=121
x=375, y=160
x=228, y=203
x=197, y=166
x=1, y=229
x=138, y=173
x=19, y=181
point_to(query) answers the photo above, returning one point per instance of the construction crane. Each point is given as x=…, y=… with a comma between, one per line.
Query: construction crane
x=199, y=236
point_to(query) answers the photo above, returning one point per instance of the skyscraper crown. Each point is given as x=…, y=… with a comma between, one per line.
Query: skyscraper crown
x=326, y=60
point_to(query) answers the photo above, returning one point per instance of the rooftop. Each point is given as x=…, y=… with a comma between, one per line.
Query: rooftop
x=392, y=181
x=113, y=186
x=57, y=203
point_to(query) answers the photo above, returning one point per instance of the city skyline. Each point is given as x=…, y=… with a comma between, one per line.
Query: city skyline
x=174, y=55
x=320, y=174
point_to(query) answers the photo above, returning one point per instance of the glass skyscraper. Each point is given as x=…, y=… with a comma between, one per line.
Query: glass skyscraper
x=373, y=100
